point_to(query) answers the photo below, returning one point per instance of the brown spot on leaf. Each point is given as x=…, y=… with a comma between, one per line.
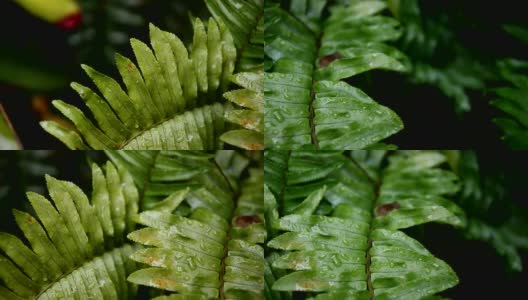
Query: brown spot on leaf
x=161, y=283
x=310, y=285
x=245, y=221
x=255, y=147
x=246, y=123
x=384, y=209
x=31, y=220
x=326, y=60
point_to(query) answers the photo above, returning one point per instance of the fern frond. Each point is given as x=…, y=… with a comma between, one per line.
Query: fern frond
x=307, y=104
x=519, y=32
x=355, y=250
x=508, y=238
x=425, y=39
x=252, y=118
x=244, y=19
x=513, y=101
x=206, y=255
x=171, y=104
x=78, y=248
x=481, y=196
x=162, y=177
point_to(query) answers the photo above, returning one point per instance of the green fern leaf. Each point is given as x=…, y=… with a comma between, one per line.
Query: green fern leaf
x=161, y=177
x=78, y=248
x=171, y=100
x=270, y=276
x=252, y=119
x=427, y=37
x=245, y=20
x=481, y=196
x=512, y=101
x=307, y=104
x=206, y=254
x=519, y=32
x=353, y=249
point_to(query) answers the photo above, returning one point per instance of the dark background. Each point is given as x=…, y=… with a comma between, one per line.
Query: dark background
x=428, y=115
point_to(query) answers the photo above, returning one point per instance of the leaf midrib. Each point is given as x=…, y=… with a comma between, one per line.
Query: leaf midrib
x=377, y=185
x=369, y=246
x=77, y=267
x=313, y=133
x=311, y=117
x=368, y=263
x=160, y=123
x=228, y=236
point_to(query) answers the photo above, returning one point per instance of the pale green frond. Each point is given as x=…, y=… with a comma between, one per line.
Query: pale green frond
x=350, y=245
x=249, y=112
x=76, y=246
x=172, y=98
x=207, y=254
x=308, y=106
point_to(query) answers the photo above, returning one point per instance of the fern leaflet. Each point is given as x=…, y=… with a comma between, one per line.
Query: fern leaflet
x=343, y=241
x=512, y=101
x=78, y=249
x=307, y=104
x=206, y=254
x=170, y=104
x=252, y=117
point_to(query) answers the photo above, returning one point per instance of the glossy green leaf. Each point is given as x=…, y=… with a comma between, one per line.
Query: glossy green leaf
x=349, y=245
x=207, y=254
x=307, y=105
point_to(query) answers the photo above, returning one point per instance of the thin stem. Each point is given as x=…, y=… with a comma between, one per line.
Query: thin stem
x=236, y=195
x=231, y=188
x=370, y=287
